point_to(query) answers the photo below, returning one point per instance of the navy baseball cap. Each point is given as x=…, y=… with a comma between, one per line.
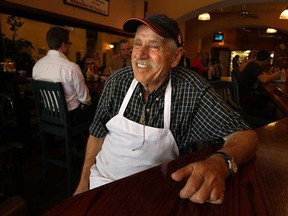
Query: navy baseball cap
x=160, y=24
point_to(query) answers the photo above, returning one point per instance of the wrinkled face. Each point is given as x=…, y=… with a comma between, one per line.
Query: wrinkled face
x=125, y=50
x=153, y=57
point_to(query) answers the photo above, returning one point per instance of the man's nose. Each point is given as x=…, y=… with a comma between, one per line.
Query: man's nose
x=143, y=51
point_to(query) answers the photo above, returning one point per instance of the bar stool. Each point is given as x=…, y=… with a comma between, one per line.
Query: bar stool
x=54, y=119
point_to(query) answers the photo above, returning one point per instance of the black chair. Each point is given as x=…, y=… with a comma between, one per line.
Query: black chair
x=54, y=119
x=7, y=110
x=10, y=148
x=8, y=122
x=228, y=90
x=10, y=86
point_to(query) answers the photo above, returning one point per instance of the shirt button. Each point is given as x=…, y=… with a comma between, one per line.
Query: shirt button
x=147, y=110
x=157, y=99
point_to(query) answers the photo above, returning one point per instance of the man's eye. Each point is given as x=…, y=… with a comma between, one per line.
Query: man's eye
x=154, y=47
x=137, y=44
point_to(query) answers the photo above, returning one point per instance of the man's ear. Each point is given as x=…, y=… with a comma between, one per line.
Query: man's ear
x=177, y=57
x=62, y=47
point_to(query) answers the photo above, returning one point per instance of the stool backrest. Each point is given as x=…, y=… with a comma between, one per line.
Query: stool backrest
x=50, y=102
x=7, y=110
x=228, y=90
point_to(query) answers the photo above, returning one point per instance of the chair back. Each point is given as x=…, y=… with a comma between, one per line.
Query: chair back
x=50, y=102
x=9, y=85
x=228, y=90
x=54, y=119
x=7, y=110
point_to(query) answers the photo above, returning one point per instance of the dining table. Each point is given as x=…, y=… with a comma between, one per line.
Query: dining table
x=259, y=188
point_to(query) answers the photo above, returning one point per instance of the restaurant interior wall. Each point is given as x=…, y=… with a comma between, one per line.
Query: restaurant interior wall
x=35, y=32
x=177, y=10
x=182, y=11
x=119, y=10
x=199, y=36
x=185, y=10
x=241, y=40
x=78, y=37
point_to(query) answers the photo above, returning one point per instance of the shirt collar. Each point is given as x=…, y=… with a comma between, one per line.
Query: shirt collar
x=56, y=53
x=157, y=93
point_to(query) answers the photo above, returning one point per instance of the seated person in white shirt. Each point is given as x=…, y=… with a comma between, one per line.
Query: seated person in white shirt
x=55, y=67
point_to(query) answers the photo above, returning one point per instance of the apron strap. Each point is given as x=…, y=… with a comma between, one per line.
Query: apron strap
x=167, y=105
x=127, y=97
x=167, y=102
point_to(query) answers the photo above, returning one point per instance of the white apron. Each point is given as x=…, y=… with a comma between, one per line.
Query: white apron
x=121, y=154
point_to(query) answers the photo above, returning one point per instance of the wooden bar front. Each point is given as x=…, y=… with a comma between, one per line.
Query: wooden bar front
x=260, y=187
x=279, y=94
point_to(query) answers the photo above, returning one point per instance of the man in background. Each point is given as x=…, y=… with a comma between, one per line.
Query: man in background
x=249, y=80
x=55, y=67
x=251, y=57
x=197, y=65
x=121, y=60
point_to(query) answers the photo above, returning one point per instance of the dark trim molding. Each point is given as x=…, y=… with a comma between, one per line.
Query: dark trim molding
x=55, y=19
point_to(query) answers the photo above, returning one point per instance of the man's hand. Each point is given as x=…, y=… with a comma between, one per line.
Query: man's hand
x=205, y=180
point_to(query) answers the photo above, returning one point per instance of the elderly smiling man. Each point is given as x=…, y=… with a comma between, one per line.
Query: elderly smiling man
x=155, y=111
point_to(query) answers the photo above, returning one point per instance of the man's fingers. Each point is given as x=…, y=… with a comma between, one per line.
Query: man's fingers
x=182, y=173
x=217, y=195
x=193, y=185
x=203, y=182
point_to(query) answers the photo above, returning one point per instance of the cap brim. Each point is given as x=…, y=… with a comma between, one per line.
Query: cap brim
x=131, y=25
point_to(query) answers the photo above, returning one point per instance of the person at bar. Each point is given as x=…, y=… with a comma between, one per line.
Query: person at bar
x=155, y=111
x=197, y=65
x=236, y=63
x=121, y=60
x=252, y=100
x=91, y=61
x=251, y=57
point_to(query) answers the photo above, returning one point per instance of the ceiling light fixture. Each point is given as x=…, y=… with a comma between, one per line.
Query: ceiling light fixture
x=204, y=17
x=271, y=31
x=284, y=14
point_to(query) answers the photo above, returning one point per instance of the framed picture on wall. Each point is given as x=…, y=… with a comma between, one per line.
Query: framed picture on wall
x=98, y=6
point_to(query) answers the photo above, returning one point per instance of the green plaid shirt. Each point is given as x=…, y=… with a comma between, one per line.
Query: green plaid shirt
x=197, y=112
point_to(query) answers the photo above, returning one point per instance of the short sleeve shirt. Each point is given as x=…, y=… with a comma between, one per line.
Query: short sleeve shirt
x=197, y=112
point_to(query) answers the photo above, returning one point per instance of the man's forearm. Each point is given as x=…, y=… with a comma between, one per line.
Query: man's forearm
x=241, y=145
x=93, y=147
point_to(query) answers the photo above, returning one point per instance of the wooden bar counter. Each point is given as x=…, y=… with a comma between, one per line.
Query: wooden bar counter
x=259, y=188
x=278, y=92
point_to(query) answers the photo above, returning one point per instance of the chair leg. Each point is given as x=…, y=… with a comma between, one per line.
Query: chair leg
x=44, y=143
x=70, y=176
